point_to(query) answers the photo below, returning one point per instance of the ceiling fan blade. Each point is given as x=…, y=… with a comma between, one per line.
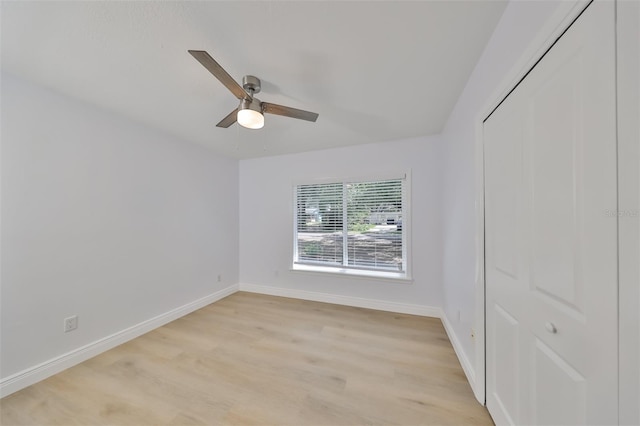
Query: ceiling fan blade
x=229, y=119
x=289, y=112
x=214, y=68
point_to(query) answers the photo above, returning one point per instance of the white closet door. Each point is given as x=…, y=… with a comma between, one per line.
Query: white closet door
x=551, y=247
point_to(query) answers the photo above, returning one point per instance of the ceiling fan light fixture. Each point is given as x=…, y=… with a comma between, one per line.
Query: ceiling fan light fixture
x=250, y=114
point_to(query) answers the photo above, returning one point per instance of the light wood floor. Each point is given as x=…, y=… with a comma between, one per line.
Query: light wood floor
x=263, y=360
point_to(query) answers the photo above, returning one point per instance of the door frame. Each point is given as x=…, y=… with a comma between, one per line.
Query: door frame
x=556, y=25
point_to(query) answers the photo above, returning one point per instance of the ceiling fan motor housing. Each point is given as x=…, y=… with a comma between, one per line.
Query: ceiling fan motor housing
x=253, y=104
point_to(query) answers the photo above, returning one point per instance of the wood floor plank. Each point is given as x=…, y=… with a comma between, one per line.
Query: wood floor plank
x=252, y=359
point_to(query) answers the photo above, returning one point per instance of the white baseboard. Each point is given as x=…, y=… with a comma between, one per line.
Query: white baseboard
x=53, y=366
x=467, y=367
x=359, y=302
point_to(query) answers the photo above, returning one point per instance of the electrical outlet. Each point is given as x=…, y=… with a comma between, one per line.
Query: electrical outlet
x=70, y=323
x=219, y=278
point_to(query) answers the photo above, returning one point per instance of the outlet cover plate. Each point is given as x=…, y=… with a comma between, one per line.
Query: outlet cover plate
x=70, y=323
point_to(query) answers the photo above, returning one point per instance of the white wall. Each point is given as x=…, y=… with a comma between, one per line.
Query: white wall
x=628, y=40
x=103, y=218
x=266, y=220
x=519, y=26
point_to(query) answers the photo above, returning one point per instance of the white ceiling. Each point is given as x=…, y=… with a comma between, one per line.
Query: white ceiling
x=374, y=71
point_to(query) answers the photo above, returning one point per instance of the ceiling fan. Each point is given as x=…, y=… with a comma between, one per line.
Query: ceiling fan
x=250, y=112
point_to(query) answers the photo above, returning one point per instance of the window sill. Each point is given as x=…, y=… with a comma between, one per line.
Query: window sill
x=353, y=273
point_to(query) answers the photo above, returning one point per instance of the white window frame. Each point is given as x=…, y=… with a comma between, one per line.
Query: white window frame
x=404, y=276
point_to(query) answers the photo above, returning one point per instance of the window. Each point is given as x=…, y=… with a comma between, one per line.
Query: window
x=352, y=226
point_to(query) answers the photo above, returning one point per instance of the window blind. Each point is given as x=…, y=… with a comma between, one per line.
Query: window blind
x=351, y=225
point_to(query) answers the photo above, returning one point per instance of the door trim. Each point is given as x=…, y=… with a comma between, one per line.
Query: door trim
x=555, y=26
